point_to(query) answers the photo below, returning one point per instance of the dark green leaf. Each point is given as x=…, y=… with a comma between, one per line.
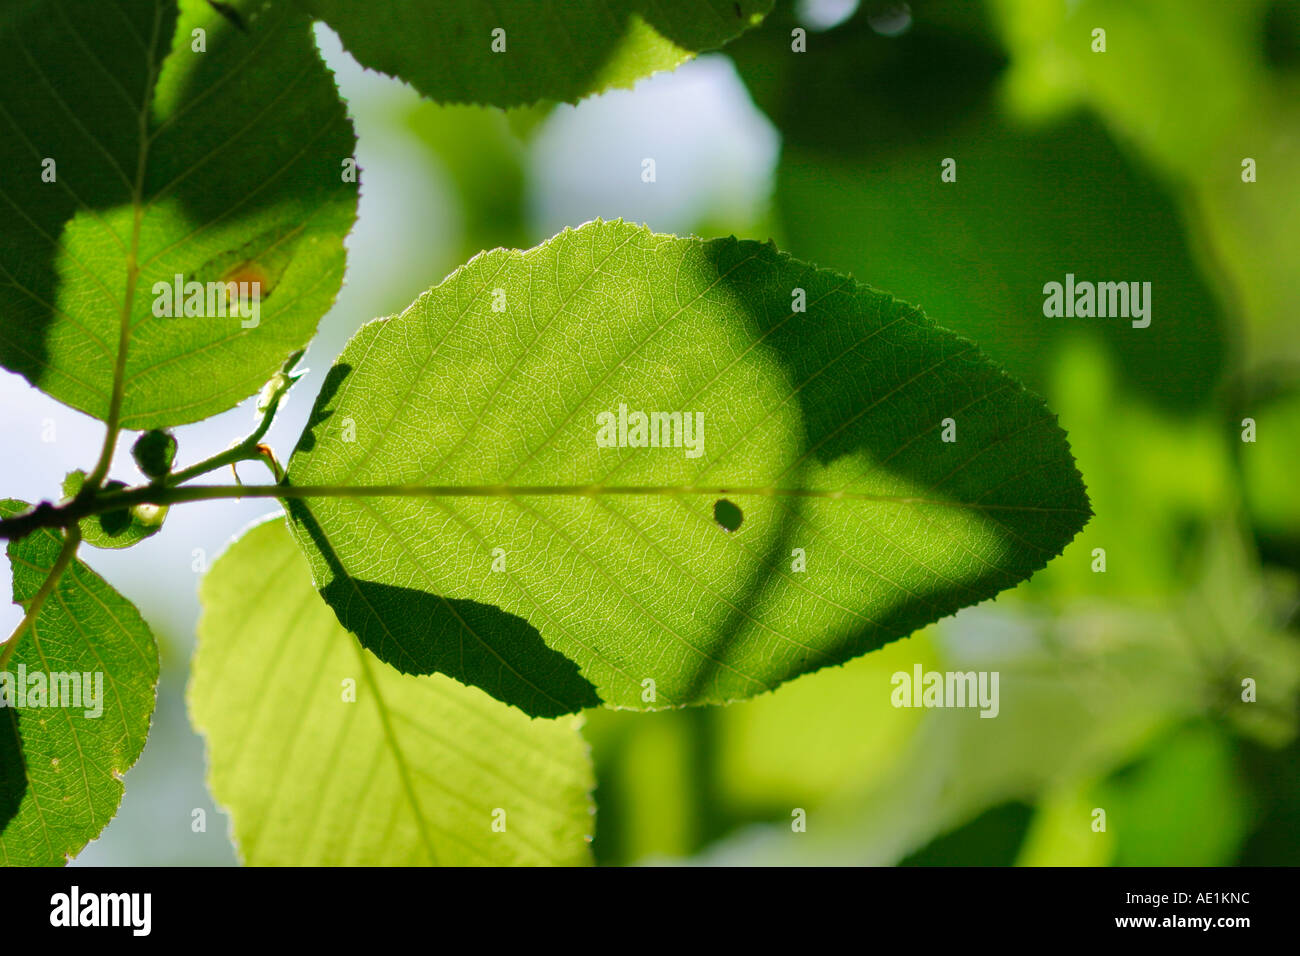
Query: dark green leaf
x=545, y=51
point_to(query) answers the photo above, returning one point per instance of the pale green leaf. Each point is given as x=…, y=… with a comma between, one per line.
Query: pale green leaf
x=166, y=161
x=826, y=427
x=61, y=766
x=547, y=51
x=411, y=771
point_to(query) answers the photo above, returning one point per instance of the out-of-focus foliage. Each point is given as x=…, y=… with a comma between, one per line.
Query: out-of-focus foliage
x=867, y=120
x=483, y=156
x=1193, y=88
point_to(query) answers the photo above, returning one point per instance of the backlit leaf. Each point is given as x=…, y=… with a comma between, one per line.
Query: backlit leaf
x=411, y=770
x=887, y=474
x=61, y=766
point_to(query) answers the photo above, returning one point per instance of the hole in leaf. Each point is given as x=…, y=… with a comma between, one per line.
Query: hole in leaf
x=727, y=514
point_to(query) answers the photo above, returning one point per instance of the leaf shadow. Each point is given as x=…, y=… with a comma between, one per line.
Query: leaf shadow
x=320, y=412
x=873, y=380
x=13, y=767
x=418, y=632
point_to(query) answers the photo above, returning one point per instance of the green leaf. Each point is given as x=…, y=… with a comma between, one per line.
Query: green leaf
x=61, y=770
x=115, y=529
x=552, y=51
x=411, y=771
x=214, y=166
x=495, y=379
